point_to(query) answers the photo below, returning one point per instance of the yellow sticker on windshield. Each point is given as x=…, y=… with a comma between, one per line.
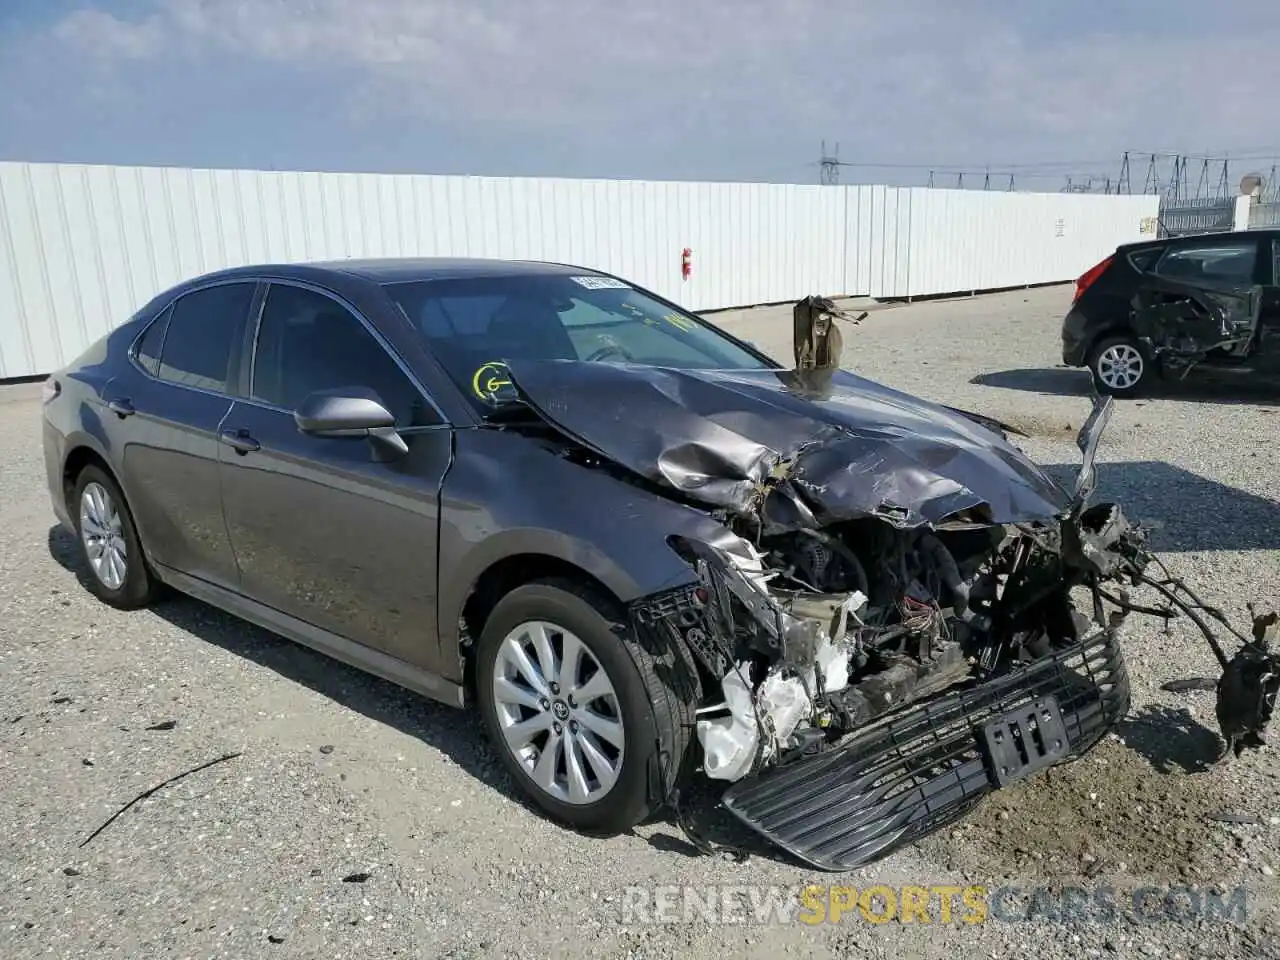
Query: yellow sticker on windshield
x=489, y=379
x=679, y=322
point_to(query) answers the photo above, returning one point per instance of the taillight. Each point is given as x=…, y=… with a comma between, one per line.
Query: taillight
x=1089, y=276
x=49, y=390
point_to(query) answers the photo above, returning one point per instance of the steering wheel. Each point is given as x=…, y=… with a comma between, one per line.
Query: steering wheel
x=608, y=350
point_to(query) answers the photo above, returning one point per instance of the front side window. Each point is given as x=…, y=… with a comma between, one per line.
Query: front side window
x=1210, y=263
x=203, y=327
x=308, y=342
x=471, y=325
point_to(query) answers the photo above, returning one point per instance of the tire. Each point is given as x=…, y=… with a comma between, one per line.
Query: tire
x=654, y=692
x=137, y=586
x=1113, y=362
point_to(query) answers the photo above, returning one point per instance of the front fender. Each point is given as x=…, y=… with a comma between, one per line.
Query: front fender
x=509, y=495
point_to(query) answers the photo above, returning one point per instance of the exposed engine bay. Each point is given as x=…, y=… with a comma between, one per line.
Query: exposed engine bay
x=816, y=634
x=833, y=628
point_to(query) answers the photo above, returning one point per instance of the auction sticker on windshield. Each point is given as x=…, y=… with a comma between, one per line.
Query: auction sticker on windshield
x=601, y=283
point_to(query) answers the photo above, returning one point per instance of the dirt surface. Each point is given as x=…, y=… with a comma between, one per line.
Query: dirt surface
x=360, y=820
x=1106, y=813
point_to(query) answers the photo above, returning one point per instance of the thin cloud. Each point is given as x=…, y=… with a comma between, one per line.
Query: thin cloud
x=926, y=80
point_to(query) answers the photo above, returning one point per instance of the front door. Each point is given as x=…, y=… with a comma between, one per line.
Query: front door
x=321, y=530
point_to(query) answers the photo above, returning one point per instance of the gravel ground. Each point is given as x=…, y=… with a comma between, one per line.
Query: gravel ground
x=360, y=820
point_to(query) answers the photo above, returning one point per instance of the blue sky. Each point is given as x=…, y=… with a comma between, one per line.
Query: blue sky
x=705, y=89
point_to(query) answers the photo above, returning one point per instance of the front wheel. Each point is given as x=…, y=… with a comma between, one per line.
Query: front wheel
x=577, y=709
x=1120, y=366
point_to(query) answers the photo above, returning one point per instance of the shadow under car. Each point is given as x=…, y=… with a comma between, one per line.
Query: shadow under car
x=1202, y=387
x=1184, y=512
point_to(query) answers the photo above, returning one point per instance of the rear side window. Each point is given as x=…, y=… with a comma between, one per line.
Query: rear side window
x=151, y=342
x=1275, y=263
x=1216, y=263
x=1144, y=260
x=203, y=327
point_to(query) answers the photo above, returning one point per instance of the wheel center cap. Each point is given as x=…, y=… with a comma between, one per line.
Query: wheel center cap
x=560, y=709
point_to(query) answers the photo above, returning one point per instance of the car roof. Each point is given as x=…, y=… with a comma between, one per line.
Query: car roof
x=385, y=270
x=1265, y=234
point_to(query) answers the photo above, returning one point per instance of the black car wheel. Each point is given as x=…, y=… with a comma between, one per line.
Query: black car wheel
x=1120, y=366
x=577, y=709
x=118, y=572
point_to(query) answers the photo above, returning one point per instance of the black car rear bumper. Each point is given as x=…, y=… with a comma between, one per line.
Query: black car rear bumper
x=913, y=772
x=1075, y=341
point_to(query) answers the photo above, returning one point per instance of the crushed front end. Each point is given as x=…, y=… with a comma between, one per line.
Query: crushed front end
x=876, y=679
x=898, y=610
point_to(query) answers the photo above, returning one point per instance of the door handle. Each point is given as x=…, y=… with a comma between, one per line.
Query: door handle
x=121, y=407
x=239, y=441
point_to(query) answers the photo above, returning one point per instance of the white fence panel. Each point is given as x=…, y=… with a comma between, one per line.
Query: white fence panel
x=976, y=240
x=81, y=247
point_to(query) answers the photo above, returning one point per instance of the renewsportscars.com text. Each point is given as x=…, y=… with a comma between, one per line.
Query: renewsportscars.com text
x=928, y=904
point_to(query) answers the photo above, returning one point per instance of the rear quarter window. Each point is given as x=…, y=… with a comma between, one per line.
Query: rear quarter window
x=1144, y=260
x=151, y=343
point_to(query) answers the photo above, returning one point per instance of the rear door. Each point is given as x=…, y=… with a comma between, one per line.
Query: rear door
x=166, y=410
x=1201, y=295
x=322, y=531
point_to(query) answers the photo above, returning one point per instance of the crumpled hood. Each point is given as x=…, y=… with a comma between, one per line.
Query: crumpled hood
x=790, y=448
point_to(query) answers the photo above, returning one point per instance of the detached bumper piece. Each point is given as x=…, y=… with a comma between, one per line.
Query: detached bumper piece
x=911, y=773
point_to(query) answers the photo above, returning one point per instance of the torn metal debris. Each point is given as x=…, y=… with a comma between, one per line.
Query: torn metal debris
x=789, y=450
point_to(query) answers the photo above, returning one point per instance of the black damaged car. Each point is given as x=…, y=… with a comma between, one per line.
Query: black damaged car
x=641, y=550
x=1170, y=308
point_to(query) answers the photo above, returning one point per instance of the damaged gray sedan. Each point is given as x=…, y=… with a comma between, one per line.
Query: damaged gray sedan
x=644, y=550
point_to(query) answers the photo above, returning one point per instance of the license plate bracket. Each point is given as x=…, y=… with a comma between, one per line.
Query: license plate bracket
x=1023, y=741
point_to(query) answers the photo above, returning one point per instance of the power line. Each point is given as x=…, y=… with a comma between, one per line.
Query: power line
x=967, y=167
x=1168, y=173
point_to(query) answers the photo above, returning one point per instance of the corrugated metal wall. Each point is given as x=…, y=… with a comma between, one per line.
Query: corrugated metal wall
x=81, y=247
x=974, y=240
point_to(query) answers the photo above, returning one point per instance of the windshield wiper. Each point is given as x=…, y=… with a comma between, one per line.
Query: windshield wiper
x=510, y=411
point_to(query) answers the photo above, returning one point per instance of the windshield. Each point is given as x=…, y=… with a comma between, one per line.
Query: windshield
x=475, y=326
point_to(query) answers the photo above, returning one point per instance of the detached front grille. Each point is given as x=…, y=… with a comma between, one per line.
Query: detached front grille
x=915, y=771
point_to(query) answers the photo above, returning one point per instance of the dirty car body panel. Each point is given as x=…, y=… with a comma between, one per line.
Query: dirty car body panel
x=876, y=596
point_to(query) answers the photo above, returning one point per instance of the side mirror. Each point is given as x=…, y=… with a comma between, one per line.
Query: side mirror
x=353, y=414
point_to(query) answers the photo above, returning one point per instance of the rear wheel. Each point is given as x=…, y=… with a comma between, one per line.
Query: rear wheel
x=1120, y=366
x=118, y=572
x=580, y=713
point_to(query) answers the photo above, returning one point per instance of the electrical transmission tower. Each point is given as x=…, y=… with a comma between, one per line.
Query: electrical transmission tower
x=829, y=166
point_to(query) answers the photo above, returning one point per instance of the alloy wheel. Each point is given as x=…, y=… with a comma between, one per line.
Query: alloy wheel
x=102, y=532
x=1120, y=366
x=559, y=712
